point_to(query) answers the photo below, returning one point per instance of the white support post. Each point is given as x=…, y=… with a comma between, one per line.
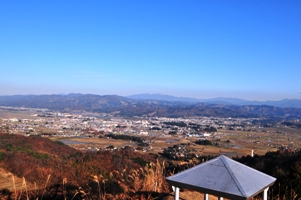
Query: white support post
x=265, y=194
x=177, y=193
x=206, y=197
x=220, y=198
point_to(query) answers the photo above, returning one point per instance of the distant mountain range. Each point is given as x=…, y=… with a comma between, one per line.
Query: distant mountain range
x=285, y=103
x=65, y=102
x=157, y=105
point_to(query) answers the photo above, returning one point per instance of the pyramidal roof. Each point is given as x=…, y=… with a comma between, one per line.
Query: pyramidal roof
x=223, y=177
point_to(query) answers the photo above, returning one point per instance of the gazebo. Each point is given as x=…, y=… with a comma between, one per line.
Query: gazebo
x=222, y=177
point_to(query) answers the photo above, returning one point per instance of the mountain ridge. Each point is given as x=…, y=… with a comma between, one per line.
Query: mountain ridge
x=284, y=103
x=126, y=107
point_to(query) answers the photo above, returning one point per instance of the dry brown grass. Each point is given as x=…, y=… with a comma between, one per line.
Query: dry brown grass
x=44, y=188
x=154, y=177
x=10, y=182
x=20, y=188
x=97, y=179
x=148, y=179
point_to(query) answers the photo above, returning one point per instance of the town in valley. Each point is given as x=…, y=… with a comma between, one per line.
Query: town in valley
x=175, y=138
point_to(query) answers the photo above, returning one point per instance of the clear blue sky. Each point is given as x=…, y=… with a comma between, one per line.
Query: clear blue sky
x=189, y=48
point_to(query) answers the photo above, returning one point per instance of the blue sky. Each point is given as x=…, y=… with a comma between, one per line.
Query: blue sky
x=189, y=48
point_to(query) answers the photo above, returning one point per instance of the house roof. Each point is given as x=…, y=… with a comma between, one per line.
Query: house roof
x=223, y=177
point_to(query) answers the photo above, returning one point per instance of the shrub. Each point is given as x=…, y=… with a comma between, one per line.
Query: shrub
x=204, y=142
x=9, y=147
x=2, y=156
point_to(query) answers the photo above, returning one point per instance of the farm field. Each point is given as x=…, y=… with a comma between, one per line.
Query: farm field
x=231, y=143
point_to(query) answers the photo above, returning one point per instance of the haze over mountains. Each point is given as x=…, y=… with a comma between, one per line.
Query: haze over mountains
x=156, y=105
x=285, y=103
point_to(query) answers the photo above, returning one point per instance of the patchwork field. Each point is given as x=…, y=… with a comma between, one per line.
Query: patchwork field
x=231, y=143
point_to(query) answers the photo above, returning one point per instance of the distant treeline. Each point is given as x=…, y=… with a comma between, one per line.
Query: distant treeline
x=203, y=142
x=179, y=124
x=137, y=139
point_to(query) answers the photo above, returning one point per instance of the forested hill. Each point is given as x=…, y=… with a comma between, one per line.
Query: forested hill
x=123, y=106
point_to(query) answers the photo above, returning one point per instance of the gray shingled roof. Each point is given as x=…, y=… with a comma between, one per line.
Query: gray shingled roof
x=223, y=177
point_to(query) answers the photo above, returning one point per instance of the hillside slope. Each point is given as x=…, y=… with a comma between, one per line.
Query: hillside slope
x=66, y=171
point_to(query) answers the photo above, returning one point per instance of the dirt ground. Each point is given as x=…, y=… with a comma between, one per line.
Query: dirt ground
x=190, y=195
